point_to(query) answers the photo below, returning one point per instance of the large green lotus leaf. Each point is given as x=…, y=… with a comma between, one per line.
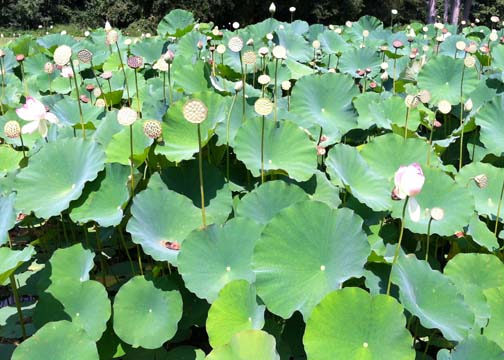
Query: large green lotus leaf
x=264, y=202
x=480, y=233
x=149, y=49
x=234, y=310
x=188, y=77
x=187, y=46
x=431, y=296
x=145, y=315
x=56, y=175
x=332, y=43
x=181, y=136
x=297, y=70
x=118, y=148
x=314, y=102
x=9, y=159
x=246, y=345
x=440, y=191
x=71, y=264
x=10, y=260
x=103, y=198
x=492, y=128
x=161, y=216
x=321, y=189
x=176, y=23
x=442, y=76
x=226, y=130
x=306, y=251
x=86, y=304
x=495, y=331
x=358, y=331
x=185, y=180
x=60, y=340
x=185, y=353
x=345, y=163
x=211, y=258
x=360, y=59
x=52, y=41
x=386, y=153
x=477, y=347
x=472, y=274
x=393, y=112
x=8, y=218
x=67, y=111
x=296, y=46
x=10, y=326
x=286, y=148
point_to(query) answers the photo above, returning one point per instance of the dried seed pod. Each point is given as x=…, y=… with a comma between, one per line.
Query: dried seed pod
x=249, y=58
x=135, y=62
x=152, y=129
x=481, y=181
x=85, y=56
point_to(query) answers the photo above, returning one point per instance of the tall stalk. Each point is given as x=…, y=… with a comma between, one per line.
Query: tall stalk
x=396, y=254
x=461, y=118
x=228, y=124
x=499, y=210
x=83, y=128
x=200, y=167
x=123, y=71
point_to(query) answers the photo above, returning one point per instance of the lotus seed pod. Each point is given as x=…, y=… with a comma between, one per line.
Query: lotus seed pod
x=12, y=129
x=215, y=31
x=62, y=55
x=437, y=214
x=236, y=25
x=411, y=101
x=161, y=65
x=292, y=9
x=394, y=11
x=100, y=103
x=90, y=87
x=128, y=42
x=48, y=68
x=235, y=44
x=468, y=105
x=86, y=33
x=249, y=58
x=107, y=75
x=85, y=56
x=272, y=8
x=481, y=181
x=111, y=37
x=439, y=26
x=444, y=107
x=494, y=19
x=338, y=30
x=348, y=24
x=279, y=52
x=127, y=116
x=135, y=62
x=472, y=48
x=440, y=39
x=263, y=106
x=365, y=33
x=221, y=49
x=316, y=44
x=424, y=96
x=238, y=86
x=263, y=79
x=263, y=51
x=384, y=65
x=286, y=85
x=195, y=111
x=493, y=36
x=460, y=45
x=397, y=44
x=470, y=61
x=152, y=129
x=463, y=22
x=97, y=92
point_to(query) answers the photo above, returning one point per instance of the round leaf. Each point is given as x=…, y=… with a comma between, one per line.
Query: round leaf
x=478, y=347
x=246, y=345
x=492, y=129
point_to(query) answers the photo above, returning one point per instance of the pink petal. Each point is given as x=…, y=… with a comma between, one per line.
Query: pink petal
x=414, y=210
x=51, y=118
x=24, y=113
x=31, y=127
x=36, y=107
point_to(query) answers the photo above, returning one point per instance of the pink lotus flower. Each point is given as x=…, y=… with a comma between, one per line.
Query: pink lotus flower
x=35, y=112
x=67, y=72
x=409, y=181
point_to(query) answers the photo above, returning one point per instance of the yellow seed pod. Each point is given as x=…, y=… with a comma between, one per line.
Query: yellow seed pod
x=470, y=61
x=444, y=107
x=62, y=55
x=249, y=58
x=126, y=116
x=263, y=79
x=235, y=44
x=279, y=52
x=411, y=101
x=460, y=45
x=263, y=106
x=195, y=111
x=12, y=129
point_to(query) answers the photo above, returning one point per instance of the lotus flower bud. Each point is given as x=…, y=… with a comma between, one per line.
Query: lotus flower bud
x=272, y=8
x=111, y=37
x=493, y=36
x=107, y=27
x=106, y=75
x=127, y=116
x=408, y=181
x=384, y=76
x=238, y=86
x=468, y=105
x=161, y=65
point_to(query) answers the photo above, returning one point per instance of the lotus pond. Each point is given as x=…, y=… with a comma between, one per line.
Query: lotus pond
x=278, y=191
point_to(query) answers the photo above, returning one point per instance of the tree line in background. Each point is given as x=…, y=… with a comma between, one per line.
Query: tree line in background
x=144, y=15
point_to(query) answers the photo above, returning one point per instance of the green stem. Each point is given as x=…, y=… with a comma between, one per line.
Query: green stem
x=202, y=191
x=406, y=122
x=123, y=241
x=98, y=83
x=498, y=210
x=139, y=257
x=429, y=150
x=262, y=150
x=25, y=86
x=22, y=145
x=102, y=265
x=396, y=254
x=243, y=88
x=275, y=92
x=18, y=304
x=164, y=87
x=228, y=124
x=132, y=166
x=461, y=119
x=169, y=84
x=428, y=240
x=78, y=100
x=137, y=95
x=394, y=73
x=124, y=73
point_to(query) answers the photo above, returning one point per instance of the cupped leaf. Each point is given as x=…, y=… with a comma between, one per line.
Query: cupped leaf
x=263, y=203
x=419, y=285
x=145, y=315
x=345, y=163
x=477, y=347
x=314, y=103
x=10, y=260
x=118, y=147
x=492, y=129
x=286, y=148
x=442, y=76
x=176, y=23
x=161, y=217
x=246, y=345
x=103, y=198
x=234, y=310
x=71, y=264
x=211, y=258
x=306, y=251
x=9, y=159
x=494, y=330
x=56, y=175
x=360, y=59
x=358, y=331
x=60, y=340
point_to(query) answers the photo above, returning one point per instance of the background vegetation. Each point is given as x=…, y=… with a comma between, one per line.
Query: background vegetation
x=144, y=15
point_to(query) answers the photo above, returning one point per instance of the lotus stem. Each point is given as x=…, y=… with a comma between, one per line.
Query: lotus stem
x=430, y=140
x=169, y=84
x=428, y=240
x=406, y=122
x=98, y=83
x=123, y=241
x=3, y=85
x=124, y=72
x=462, y=125
x=498, y=210
x=396, y=254
x=139, y=112
x=78, y=101
x=275, y=115
x=18, y=304
x=200, y=165
x=164, y=87
x=139, y=257
x=262, y=150
x=243, y=83
x=22, y=145
x=132, y=175
x=25, y=87
x=394, y=72
x=228, y=124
